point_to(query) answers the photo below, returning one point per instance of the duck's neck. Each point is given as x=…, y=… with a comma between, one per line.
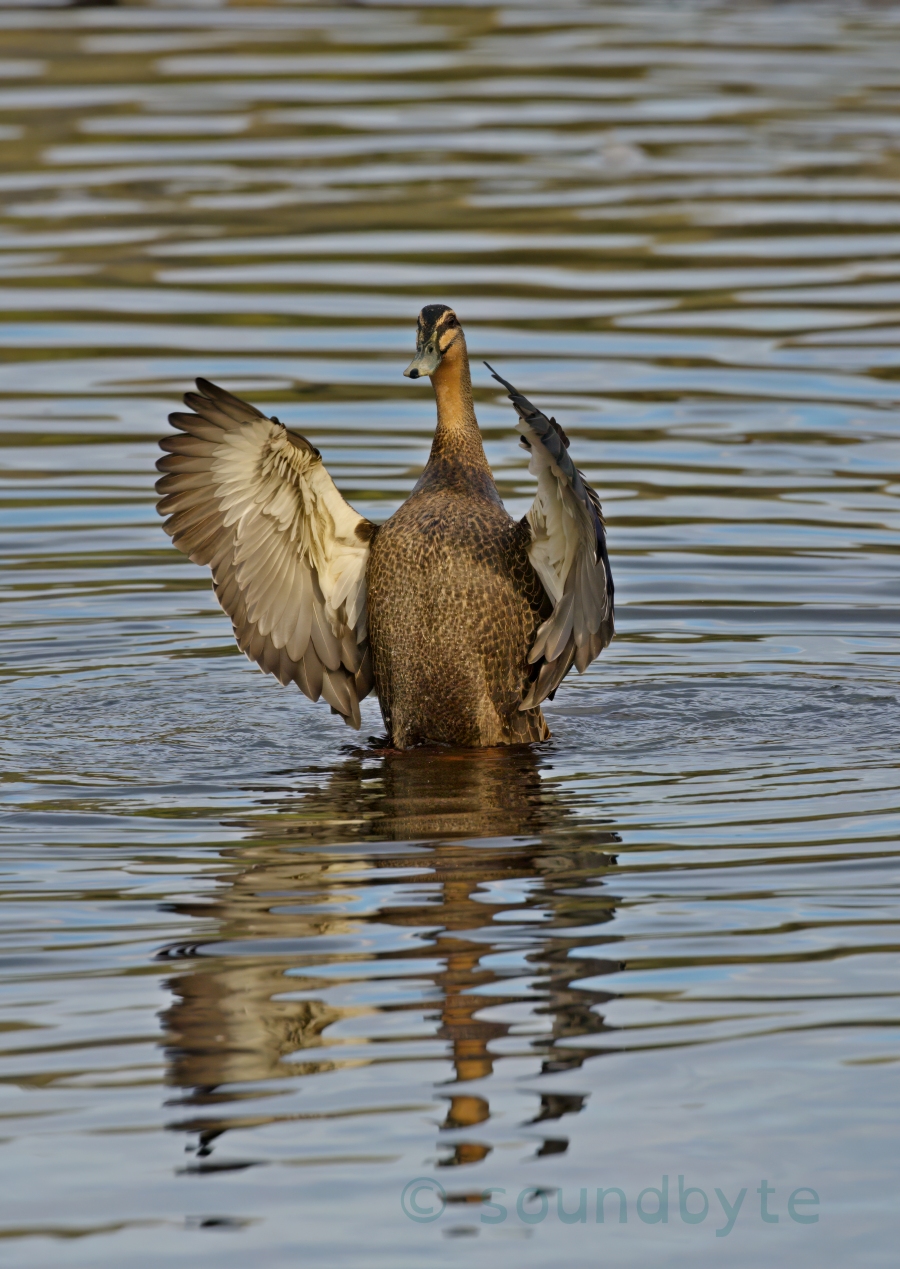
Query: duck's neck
x=457, y=454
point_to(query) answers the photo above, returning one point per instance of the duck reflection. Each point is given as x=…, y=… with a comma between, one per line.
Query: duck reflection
x=444, y=860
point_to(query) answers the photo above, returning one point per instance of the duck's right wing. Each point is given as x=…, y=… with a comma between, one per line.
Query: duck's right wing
x=288, y=554
x=568, y=553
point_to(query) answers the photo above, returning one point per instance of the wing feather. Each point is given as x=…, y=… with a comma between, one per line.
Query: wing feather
x=336, y=689
x=365, y=676
x=282, y=608
x=197, y=427
x=233, y=406
x=313, y=671
x=298, y=639
x=568, y=553
x=192, y=446
x=328, y=650
x=288, y=554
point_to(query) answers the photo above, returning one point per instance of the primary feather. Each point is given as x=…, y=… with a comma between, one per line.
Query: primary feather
x=568, y=553
x=288, y=555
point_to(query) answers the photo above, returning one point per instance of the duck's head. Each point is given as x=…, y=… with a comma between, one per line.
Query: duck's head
x=438, y=336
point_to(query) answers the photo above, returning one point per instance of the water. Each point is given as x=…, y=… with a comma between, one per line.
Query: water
x=259, y=977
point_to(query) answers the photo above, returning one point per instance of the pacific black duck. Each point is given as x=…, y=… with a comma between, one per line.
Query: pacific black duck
x=462, y=619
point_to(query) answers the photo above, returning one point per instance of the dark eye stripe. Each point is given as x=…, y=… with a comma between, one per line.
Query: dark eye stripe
x=445, y=323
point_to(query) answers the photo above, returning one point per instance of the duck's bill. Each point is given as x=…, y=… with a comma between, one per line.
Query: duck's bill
x=424, y=363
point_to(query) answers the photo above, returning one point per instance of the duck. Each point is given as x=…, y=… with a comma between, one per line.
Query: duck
x=463, y=620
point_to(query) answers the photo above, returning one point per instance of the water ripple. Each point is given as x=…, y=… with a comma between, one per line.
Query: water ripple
x=232, y=928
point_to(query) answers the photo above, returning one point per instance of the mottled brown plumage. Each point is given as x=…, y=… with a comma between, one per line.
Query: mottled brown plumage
x=454, y=605
x=463, y=619
x=454, y=602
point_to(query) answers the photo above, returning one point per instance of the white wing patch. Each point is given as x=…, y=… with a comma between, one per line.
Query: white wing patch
x=568, y=553
x=288, y=554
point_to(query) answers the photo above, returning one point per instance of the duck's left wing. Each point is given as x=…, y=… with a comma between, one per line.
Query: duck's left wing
x=568, y=553
x=288, y=555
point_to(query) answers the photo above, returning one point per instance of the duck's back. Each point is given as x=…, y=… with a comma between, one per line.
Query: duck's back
x=453, y=608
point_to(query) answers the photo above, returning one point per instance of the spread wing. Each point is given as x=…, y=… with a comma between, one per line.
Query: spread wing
x=288, y=555
x=568, y=553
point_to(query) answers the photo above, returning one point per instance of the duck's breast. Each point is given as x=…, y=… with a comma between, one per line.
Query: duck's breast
x=453, y=606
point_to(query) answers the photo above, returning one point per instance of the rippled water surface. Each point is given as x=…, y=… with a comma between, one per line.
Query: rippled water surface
x=258, y=976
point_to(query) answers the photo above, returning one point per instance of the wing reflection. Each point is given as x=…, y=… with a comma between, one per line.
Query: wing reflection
x=423, y=904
